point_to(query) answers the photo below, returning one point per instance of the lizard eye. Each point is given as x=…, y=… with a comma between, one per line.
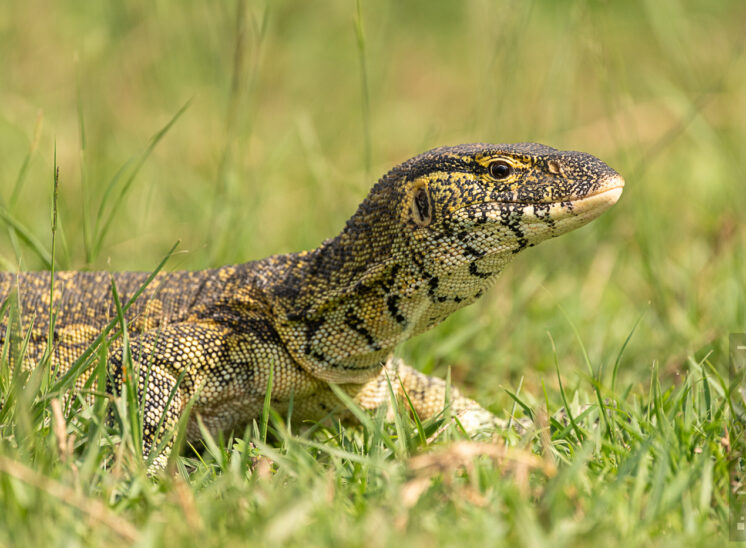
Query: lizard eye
x=500, y=169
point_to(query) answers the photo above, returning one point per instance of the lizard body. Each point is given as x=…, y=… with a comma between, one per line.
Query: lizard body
x=430, y=238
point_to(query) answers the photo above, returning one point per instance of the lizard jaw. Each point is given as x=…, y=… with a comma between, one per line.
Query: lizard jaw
x=570, y=214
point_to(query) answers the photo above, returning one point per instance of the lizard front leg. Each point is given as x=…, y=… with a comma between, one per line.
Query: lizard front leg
x=428, y=397
x=159, y=396
x=181, y=362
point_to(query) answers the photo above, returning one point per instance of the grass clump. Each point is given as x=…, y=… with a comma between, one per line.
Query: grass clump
x=639, y=467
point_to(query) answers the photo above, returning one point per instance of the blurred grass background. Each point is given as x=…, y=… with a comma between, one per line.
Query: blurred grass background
x=296, y=108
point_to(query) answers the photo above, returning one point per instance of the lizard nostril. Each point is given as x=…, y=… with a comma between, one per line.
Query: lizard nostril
x=616, y=181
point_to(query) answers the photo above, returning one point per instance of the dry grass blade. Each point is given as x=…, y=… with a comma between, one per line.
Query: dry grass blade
x=185, y=499
x=461, y=456
x=91, y=507
x=64, y=444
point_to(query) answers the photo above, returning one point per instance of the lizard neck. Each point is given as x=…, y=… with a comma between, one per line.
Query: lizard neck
x=343, y=307
x=429, y=238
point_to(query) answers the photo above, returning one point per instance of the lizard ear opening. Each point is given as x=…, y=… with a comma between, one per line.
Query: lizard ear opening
x=422, y=210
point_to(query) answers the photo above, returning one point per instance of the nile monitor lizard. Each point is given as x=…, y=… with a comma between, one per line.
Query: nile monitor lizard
x=430, y=238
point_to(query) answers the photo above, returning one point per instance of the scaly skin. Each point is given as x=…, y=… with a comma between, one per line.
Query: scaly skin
x=430, y=238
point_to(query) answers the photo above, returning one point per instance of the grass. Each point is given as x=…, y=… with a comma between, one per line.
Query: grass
x=292, y=110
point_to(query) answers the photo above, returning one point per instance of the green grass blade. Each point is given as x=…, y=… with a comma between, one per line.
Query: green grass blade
x=103, y=221
x=621, y=351
x=28, y=238
x=267, y=406
x=23, y=171
x=575, y=427
x=363, y=417
x=65, y=381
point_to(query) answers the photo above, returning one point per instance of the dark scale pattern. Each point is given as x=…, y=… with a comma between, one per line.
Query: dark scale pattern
x=430, y=238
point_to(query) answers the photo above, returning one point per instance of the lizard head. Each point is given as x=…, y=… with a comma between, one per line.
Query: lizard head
x=479, y=201
x=432, y=234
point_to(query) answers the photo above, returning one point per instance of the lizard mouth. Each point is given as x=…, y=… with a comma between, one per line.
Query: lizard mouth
x=611, y=194
x=605, y=197
x=610, y=189
x=561, y=214
x=607, y=190
x=569, y=214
